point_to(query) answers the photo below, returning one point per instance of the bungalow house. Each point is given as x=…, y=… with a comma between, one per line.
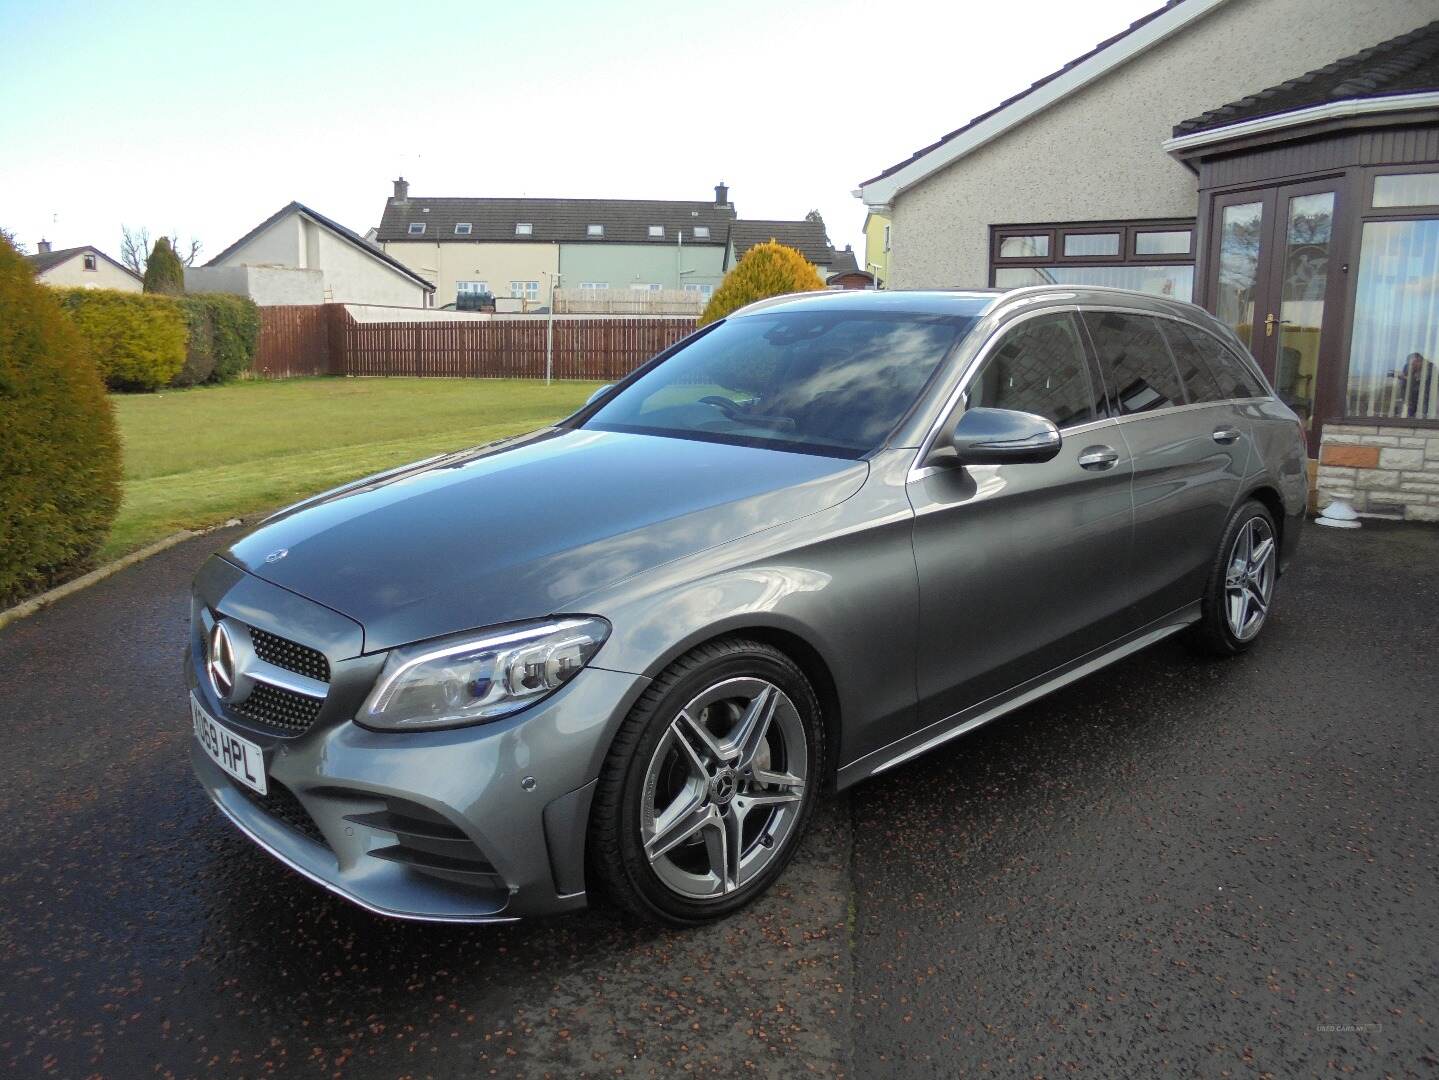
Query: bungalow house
x=808, y=237
x=1276, y=161
x=82, y=268
x=299, y=256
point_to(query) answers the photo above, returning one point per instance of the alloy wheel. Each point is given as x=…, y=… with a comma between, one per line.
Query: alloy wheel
x=1249, y=579
x=724, y=788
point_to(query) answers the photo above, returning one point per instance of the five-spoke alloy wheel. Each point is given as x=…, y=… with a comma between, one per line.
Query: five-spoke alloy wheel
x=709, y=784
x=1239, y=593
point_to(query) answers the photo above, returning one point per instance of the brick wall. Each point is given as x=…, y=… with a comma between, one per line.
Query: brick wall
x=1388, y=471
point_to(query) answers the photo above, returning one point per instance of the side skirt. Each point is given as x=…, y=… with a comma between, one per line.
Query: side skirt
x=966, y=720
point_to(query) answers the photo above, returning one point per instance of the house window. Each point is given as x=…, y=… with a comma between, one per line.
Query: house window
x=646, y=287
x=1394, y=350
x=525, y=290
x=417, y=228
x=524, y=228
x=594, y=230
x=594, y=286
x=702, y=290
x=464, y=228
x=472, y=288
x=1406, y=189
x=1148, y=256
x=657, y=231
x=702, y=232
x=886, y=238
x=89, y=262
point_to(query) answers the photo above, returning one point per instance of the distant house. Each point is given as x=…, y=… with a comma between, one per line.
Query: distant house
x=522, y=248
x=876, y=245
x=807, y=237
x=82, y=267
x=299, y=256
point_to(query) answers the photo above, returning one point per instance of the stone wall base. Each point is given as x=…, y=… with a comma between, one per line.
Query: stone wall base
x=1384, y=470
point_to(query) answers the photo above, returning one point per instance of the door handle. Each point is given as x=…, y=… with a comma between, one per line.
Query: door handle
x=1098, y=458
x=1227, y=434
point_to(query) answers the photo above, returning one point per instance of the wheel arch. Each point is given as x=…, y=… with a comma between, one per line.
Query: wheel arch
x=1268, y=497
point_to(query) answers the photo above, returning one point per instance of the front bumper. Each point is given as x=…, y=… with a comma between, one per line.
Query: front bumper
x=478, y=824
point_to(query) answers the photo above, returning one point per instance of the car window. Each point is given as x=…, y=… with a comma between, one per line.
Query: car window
x=1233, y=375
x=1135, y=361
x=829, y=382
x=1038, y=367
x=1195, y=371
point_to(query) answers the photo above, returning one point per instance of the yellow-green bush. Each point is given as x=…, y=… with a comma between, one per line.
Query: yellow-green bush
x=136, y=339
x=59, y=453
x=768, y=269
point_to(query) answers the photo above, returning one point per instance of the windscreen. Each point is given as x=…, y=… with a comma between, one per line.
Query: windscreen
x=819, y=382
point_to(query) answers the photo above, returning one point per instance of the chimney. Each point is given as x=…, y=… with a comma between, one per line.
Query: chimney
x=43, y=247
x=721, y=194
x=402, y=190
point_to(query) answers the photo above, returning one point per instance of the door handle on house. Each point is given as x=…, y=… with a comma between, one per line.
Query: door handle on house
x=1098, y=458
x=1227, y=434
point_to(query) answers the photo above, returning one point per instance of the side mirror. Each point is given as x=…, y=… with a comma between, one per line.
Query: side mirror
x=996, y=437
x=601, y=392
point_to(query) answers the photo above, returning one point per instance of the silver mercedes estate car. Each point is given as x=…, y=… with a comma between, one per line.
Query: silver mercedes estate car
x=622, y=657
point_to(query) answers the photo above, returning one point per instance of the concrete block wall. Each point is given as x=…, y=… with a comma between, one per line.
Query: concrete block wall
x=1385, y=471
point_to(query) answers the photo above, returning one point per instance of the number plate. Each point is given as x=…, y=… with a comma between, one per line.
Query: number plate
x=240, y=758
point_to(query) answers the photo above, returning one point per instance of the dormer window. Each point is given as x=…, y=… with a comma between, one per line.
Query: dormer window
x=702, y=232
x=524, y=228
x=464, y=228
x=89, y=262
x=594, y=231
x=417, y=228
x=657, y=232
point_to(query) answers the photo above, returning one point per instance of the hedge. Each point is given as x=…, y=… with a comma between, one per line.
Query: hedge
x=59, y=452
x=768, y=269
x=235, y=323
x=136, y=339
x=199, y=344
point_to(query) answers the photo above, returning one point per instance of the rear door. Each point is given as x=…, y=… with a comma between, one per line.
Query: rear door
x=1023, y=567
x=1189, y=444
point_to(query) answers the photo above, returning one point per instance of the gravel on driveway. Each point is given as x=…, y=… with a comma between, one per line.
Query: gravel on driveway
x=1176, y=866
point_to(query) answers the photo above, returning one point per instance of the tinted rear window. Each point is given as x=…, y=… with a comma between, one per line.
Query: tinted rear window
x=1135, y=361
x=1233, y=375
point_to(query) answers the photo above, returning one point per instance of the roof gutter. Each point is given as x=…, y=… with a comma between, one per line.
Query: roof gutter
x=1336, y=110
x=883, y=190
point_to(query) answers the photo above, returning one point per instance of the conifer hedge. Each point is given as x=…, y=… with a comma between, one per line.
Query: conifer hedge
x=59, y=452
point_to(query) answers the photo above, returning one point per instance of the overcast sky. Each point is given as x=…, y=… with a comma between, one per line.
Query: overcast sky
x=203, y=118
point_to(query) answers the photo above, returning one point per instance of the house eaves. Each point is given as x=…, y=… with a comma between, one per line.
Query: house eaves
x=880, y=191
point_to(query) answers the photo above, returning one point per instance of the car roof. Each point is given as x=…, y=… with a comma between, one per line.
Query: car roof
x=973, y=301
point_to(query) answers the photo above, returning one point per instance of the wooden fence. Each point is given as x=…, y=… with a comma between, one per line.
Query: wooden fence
x=325, y=339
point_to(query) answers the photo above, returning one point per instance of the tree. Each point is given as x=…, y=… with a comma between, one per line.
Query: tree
x=815, y=215
x=135, y=248
x=164, y=273
x=768, y=269
x=8, y=237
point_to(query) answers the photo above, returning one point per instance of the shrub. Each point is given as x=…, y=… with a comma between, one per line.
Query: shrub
x=235, y=323
x=59, y=453
x=136, y=340
x=199, y=343
x=164, y=272
x=768, y=269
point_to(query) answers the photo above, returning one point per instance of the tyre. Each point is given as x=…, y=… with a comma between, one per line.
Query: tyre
x=1239, y=591
x=708, y=785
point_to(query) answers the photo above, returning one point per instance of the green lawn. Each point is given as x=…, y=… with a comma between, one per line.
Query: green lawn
x=197, y=457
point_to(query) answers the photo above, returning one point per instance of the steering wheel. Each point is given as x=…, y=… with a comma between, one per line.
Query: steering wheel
x=725, y=405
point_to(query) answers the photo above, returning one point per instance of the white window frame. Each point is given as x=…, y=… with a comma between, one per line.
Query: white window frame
x=91, y=263
x=646, y=286
x=595, y=232
x=415, y=228
x=594, y=286
x=702, y=232
x=657, y=232
x=524, y=290
x=699, y=287
x=472, y=287
x=524, y=228
x=464, y=228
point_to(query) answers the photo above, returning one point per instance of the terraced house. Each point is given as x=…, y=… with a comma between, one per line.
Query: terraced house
x=1276, y=161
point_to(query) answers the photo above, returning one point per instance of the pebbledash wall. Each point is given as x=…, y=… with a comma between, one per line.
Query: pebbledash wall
x=1384, y=471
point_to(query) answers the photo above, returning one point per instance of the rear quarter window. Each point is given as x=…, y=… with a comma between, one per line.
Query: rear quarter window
x=1135, y=361
x=1233, y=375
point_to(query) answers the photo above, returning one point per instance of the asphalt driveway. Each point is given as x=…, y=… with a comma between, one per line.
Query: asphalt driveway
x=1176, y=866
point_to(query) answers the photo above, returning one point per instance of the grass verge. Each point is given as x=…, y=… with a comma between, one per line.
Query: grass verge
x=197, y=457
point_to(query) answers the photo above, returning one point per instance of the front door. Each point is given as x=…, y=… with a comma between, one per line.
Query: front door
x=1274, y=278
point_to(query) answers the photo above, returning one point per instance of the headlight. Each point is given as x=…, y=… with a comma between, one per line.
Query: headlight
x=479, y=677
